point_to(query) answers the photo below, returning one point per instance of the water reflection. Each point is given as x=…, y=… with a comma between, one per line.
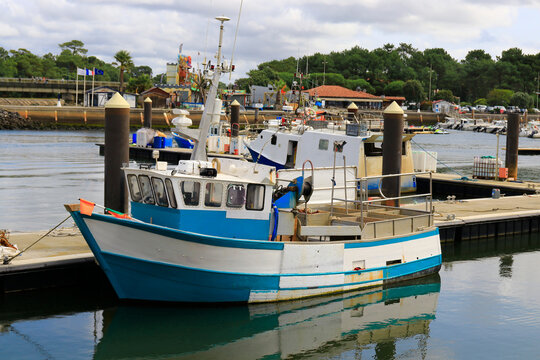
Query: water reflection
x=359, y=321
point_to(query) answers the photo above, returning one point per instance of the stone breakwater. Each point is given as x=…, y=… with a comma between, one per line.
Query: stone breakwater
x=14, y=121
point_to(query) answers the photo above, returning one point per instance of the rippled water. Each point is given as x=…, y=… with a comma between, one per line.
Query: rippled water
x=484, y=305
x=42, y=170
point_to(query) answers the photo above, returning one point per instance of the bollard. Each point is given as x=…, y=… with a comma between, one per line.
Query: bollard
x=116, y=152
x=392, y=145
x=84, y=116
x=55, y=116
x=26, y=114
x=148, y=113
x=352, y=109
x=512, y=145
x=256, y=115
x=235, y=118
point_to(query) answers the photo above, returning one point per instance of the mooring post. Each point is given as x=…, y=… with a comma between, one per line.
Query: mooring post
x=116, y=152
x=235, y=118
x=256, y=115
x=392, y=144
x=352, y=109
x=147, y=120
x=512, y=145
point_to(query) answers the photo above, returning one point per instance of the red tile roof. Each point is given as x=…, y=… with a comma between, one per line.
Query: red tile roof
x=335, y=91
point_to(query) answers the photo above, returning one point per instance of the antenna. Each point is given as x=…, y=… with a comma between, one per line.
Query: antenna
x=221, y=19
x=235, y=35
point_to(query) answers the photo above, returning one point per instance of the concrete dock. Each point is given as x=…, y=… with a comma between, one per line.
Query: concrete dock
x=60, y=259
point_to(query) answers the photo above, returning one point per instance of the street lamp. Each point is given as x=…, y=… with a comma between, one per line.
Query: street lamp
x=324, y=72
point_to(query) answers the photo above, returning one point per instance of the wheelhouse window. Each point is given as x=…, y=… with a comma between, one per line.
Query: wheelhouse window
x=213, y=195
x=255, y=197
x=273, y=140
x=159, y=190
x=146, y=190
x=190, y=192
x=134, y=189
x=236, y=195
x=170, y=191
x=323, y=144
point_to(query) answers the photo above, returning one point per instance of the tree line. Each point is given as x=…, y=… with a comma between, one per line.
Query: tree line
x=22, y=63
x=421, y=76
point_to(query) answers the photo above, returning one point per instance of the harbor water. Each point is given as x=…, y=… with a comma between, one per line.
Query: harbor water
x=482, y=305
x=42, y=170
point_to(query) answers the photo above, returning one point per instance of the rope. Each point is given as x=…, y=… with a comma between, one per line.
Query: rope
x=463, y=177
x=8, y=260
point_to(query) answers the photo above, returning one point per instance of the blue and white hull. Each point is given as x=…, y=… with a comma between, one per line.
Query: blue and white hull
x=156, y=263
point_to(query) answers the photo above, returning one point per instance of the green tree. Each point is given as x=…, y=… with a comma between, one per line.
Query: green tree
x=444, y=95
x=413, y=91
x=76, y=47
x=124, y=63
x=139, y=84
x=394, y=88
x=521, y=100
x=499, y=97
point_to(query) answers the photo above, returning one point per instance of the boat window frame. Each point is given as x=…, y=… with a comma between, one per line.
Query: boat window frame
x=170, y=191
x=323, y=141
x=151, y=190
x=207, y=202
x=273, y=139
x=184, y=193
x=231, y=187
x=250, y=186
x=131, y=192
x=159, y=201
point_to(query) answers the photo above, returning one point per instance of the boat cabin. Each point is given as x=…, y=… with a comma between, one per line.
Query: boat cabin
x=204, y=197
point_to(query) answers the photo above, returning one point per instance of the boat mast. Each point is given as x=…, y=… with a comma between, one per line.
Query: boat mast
x=199, y=150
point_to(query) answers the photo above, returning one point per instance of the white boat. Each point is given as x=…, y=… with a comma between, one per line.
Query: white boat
x=497, y=126
x=222, y=230
x=290, y=148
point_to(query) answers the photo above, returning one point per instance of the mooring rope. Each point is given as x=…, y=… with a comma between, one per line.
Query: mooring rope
x=8, y=260
x=463, y=177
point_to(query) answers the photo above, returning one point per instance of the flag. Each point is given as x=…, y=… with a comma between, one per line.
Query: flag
x=98, y=72
x=89, y=72
x=81, y=71
x=118, y=214
x=86, y=207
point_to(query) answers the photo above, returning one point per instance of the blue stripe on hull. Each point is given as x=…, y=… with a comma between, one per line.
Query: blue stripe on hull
x=134, y=278
x=146, y=280
x=263, y=160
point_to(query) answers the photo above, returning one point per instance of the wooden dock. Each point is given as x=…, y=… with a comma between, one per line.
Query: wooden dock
x=468, y=188
x=472, y=219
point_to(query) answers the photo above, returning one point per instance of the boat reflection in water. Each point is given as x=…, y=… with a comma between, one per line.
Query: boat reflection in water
x=331, y=325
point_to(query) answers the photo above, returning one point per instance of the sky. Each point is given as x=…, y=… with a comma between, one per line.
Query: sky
x=152, y=31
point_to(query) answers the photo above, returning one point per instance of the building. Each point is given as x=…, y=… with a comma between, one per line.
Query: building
x=338, y=96
x=443, y=106
x=172, y=73
x=102, y=94
x=157, y=95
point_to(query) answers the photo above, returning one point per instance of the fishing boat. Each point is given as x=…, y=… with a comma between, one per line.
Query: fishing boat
x=223, y=230
x=289, y=148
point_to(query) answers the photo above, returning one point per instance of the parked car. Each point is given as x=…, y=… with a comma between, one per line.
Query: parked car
x=499, y=109
x=481, y=108
x=535, y=110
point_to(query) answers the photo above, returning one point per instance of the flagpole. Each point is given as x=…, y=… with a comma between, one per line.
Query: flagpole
x=77, y=88
x=93, y=81
x=84, y=88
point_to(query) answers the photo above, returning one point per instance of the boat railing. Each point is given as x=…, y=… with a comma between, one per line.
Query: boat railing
x=382, y=215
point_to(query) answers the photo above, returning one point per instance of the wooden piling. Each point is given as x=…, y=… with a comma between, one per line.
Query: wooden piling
x=512, y=145
x=148, y=113
x=392, y=143
x=116, y=152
